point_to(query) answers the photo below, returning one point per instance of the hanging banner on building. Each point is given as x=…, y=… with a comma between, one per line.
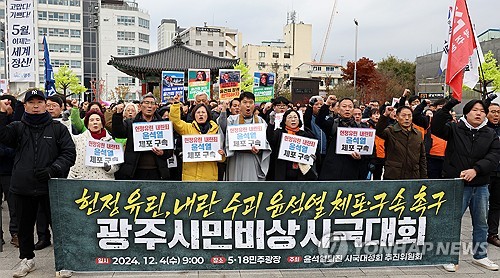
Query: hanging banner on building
x=229, y=84
x=21, y=40
x=99, y=152
x=199, y=148
x=244, y=137
x=198, y=82
x=4, y=86
x=153, y=134
x=168, y=225
x=297, y=149
x=351, y=140
x=172, y=83
x=263, y=86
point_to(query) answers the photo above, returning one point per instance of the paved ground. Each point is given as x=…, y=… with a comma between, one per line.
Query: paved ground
x=45, y=265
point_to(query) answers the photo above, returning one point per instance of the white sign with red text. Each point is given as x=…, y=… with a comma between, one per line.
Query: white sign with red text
x=99, y=152
x=153, y=134
x=198, y=148
x=297, y=149
x=244, y=137
x=358, y=140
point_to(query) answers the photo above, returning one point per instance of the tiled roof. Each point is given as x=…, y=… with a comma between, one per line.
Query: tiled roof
x=176, y=58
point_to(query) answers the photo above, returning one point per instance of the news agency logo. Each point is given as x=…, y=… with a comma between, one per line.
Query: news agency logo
x=335, y=248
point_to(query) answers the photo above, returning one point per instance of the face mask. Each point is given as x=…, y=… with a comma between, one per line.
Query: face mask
x=413, y=107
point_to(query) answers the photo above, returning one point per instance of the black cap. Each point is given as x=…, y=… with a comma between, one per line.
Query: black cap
x=468, y=106
x=31, y=93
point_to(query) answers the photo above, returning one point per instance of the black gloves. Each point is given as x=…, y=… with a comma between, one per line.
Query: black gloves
x=45, y=174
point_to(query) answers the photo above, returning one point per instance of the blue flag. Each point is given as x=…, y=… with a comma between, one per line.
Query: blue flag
x=50, y=83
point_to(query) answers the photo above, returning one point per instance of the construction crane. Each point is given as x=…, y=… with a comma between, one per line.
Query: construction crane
x=334, y=11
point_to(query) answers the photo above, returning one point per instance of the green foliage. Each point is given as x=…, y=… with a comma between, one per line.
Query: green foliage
x=66, y=80
x=246, y=76
x=491, y=71
x=401, y=74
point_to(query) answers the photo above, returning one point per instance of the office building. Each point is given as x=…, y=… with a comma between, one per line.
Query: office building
x=213, y=40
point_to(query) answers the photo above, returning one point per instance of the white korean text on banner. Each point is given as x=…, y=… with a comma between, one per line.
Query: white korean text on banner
x=21, y=40
x=99, y=152
x=198, y=82
x=244, y=137
x=229, y=84
x=198, y=148
x=297, y=149
x=153, y=134
x=172, y=83
x=167, y=226
x=359, y=140
x=263, y=86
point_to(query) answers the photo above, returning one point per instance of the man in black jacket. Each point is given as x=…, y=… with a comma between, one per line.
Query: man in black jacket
x=44, y=150
x=494, y=187
x=147, y=165
x=472, y=153
x=6, y=163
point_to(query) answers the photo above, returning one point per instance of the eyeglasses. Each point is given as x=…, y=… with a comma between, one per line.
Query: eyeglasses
x=52, y=105
x=495, y=111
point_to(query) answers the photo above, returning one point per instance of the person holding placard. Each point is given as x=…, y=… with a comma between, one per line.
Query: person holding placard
x=202, y=124
x=94, y=124
x=281, y=170
x=251, y=164
x=405, y=156
x=340, y=166
x=141, y=165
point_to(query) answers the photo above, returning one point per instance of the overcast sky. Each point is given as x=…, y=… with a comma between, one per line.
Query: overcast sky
x=403, y=28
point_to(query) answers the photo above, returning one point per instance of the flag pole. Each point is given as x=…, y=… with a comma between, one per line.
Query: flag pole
x=481, y=72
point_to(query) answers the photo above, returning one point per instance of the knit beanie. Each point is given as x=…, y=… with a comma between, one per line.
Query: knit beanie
x=470, y=104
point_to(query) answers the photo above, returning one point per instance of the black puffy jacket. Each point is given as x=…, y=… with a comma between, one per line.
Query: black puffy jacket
x=46, y=145
x=466, y=149
x=123, y=129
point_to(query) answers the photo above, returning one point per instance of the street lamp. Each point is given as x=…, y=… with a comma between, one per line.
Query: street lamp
x=355, y=56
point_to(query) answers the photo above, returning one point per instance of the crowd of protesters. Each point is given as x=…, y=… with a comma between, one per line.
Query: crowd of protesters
x=43, y=138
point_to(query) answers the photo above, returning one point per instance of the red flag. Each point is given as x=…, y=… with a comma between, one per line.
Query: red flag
x=461, y=47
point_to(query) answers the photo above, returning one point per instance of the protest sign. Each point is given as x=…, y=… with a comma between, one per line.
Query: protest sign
x=153, y=134
x=351, y=140
x=198, y=82
x=263, y=86
x=174, y=226
x=172, y=83
x=229, y=84
x=297, y=149
x=243, y=137
x=21, y=40
x=198, y=148
x=99, y=152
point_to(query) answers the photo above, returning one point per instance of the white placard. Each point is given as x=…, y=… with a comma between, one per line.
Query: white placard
x=153, y=134
x=297, y=149
x=21, y=40
x=351, y=140
x=394, y=101
x=99, y=152
x=243, y=137
x=198, y=148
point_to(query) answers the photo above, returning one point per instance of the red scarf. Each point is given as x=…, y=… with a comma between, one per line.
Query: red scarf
x=98, y=135
x=292, y=130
